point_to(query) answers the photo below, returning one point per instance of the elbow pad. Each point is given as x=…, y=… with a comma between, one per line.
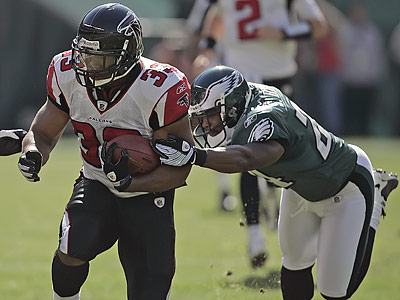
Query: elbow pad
x=301, y=30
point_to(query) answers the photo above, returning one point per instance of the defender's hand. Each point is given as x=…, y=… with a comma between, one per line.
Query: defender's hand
x=176, y=151
x=117, y=173
x=11, y=141
x=30, y=164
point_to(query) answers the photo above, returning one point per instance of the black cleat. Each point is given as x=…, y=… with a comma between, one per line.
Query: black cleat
x=259, y=260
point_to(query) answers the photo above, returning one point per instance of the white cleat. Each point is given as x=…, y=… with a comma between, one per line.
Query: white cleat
x=386, y=183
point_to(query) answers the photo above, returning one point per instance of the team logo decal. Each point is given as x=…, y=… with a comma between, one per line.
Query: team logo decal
x=112, y=176
x=181, y=88
x=159, y=202
x=102, y=105
x=128, y=24
x=224, y=86
x=249, y=120
x=184, y=100
x=262, y=131
x=185, y=146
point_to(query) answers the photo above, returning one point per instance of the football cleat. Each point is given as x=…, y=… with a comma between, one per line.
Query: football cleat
x=386, y=183
x=257, y=250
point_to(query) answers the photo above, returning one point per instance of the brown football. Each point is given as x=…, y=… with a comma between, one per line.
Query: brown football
x=142, y=158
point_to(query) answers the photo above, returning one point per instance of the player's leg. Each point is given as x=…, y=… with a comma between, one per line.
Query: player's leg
x=251, y=199
x=269, y=202
x=344, y=240
x=228, y=202
x=87, y=229
x=341, y=271
x=298, y=235
x=147, y=245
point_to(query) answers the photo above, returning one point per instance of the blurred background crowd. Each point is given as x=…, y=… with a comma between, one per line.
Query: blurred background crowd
x=349, y=80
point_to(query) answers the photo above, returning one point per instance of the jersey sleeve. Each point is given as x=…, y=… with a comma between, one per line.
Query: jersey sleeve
x=54, y=92
x=261, y=127
x=172, y=106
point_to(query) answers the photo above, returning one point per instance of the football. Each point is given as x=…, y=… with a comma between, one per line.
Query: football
x=142, y=158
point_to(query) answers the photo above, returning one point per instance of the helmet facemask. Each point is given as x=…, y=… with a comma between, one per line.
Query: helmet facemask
x=95, y=68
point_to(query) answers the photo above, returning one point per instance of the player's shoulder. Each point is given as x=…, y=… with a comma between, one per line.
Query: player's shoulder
x=161, y=70
x=267, y=111
x=157, y=78
x=267, y=99
x=61, y=67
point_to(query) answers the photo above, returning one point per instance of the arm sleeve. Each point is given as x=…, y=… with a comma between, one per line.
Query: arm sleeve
x=172, y=106
x=54, y=92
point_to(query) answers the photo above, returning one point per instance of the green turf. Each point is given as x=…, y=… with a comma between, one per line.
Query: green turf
x=211, y=245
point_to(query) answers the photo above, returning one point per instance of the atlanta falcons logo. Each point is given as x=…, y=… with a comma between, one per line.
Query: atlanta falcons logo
x=128, y=24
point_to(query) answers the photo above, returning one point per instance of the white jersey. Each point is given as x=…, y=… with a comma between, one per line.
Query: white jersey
x=261, y=59
x=159, y=96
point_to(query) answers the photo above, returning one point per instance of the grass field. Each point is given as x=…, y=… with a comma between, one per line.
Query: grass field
x=210, y=244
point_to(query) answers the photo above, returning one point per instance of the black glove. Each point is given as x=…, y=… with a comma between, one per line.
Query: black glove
x=117, y=173
x=176, y=151
x=11, y=141
x=30, y=164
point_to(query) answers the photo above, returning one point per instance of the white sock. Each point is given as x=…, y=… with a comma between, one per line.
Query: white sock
x=377, y=210
x=224, y=182
x=256, y=240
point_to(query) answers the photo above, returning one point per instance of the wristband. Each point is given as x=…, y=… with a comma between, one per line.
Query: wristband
x=297, y=31
x=207, y=43
x=200, y=157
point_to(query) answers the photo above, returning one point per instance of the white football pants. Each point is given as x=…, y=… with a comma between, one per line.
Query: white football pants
x=327, y=231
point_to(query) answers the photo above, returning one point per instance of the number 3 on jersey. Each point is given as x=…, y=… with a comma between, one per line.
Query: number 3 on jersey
x=323, y=138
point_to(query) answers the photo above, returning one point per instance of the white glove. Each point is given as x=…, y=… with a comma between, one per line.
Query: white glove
x=174, y=151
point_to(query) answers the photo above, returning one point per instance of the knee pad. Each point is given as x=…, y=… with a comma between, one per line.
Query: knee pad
x=297, y=285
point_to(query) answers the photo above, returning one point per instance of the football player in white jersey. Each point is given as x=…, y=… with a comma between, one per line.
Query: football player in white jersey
x=11, y=141
x=106, y=88
x=258, y=38
x=332, y=199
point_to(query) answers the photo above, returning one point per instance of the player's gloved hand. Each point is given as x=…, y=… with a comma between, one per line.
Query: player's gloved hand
x=176, y=151
x=11, y=141
x=30, y=164
x=117, y=173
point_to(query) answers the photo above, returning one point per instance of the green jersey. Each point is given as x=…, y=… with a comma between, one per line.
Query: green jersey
x=316, y=164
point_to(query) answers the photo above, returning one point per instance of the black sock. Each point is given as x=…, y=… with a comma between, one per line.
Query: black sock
x=297, y=285
x=67, y=280
x=250, y=197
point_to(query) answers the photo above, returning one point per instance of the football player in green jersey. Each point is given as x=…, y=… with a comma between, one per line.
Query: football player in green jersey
x=332, y=199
